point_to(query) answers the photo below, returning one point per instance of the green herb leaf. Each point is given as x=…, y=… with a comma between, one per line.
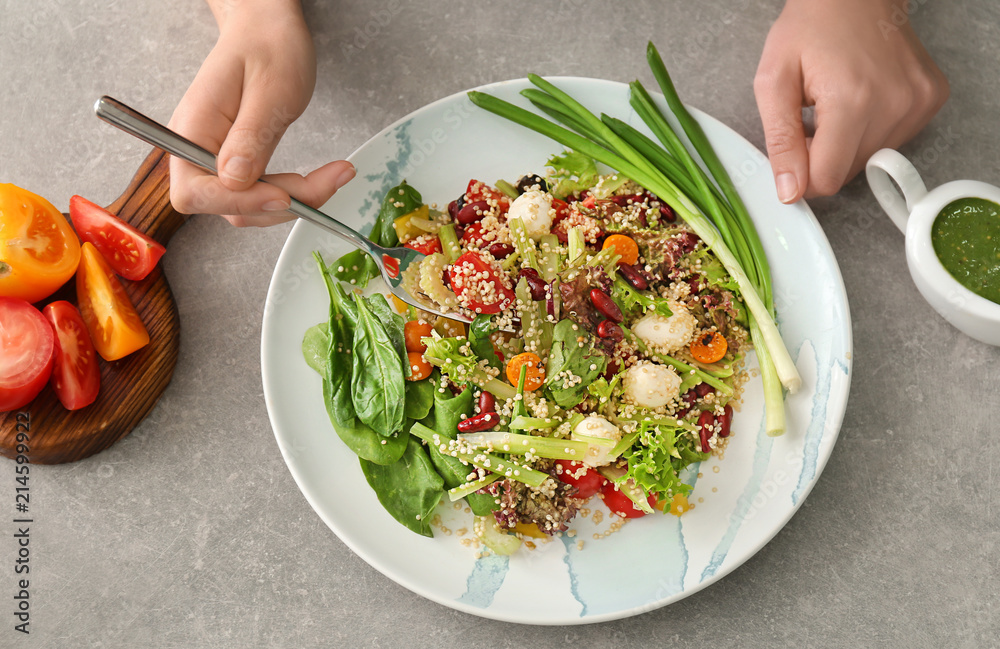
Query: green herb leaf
x=420, y=397
x=315, y=344
x=479, y=339
x=410, y=489
x=378, y=384
x=573, y=355
x=572, y=172
x=448, y=411
x=338, y=366
x=634, y=304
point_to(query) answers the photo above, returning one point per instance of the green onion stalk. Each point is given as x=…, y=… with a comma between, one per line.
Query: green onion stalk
x=729, y=232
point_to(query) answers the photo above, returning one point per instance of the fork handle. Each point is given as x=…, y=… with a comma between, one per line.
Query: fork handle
x=135, y=123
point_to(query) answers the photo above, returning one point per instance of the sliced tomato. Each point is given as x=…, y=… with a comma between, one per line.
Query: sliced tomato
x=476, y=279
x=76, y=378
x=473, y=233
x=26, y=347
x=587, y=481
x=480, y=191
x=562, y=210
x=619, y=503
x=427, y=244
x=112, y=321
x=130, y=253
x=38, y=249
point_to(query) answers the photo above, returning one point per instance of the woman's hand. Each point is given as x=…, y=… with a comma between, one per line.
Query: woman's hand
x=872, y=83
x=256, y=81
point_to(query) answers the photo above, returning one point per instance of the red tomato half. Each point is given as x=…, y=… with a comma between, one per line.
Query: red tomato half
x=129, y=252
x=75, y=375
x=476, y=281
x=620, y=504
x=427, y=244
x=480, y=191
x=586, y=480
x=26, y=346
x=472, y=235
x=562, y=210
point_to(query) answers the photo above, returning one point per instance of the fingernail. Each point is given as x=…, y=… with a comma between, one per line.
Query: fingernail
x=275, y=206
x=238, y=169
x=345, y=176
x=787, y=186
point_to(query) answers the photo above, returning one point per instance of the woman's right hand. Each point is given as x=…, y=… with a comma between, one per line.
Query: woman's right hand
x=256, y=81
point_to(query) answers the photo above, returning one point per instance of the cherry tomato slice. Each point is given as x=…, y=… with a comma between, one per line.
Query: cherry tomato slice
x=112, y=321
x=427, y=244
x=561, y=208
x=76, y=378
x=473, y=234
x=129, y=252
x=477, y=283
x=620, y=504
x=39, y=251
x=414, y=332
x=587, y=481
x=26, y=347
x=480, y=191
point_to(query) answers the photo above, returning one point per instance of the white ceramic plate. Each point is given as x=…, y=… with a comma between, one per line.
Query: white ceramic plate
x=740, y=502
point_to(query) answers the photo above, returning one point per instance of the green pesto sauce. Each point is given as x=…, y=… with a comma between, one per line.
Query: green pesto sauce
x=966, y=238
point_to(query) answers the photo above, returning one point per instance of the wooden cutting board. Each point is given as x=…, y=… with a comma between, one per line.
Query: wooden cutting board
x=131, y=386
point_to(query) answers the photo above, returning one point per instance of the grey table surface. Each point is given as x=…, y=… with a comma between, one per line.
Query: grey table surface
x=191, y=532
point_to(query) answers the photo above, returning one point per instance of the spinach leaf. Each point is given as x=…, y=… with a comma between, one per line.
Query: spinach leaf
x=410, y=489
x=393, y=326
x=573, y=355
x=420, y=397
x=378, y=389
x=362, y=440
x=448, y=411
x=357, y=267
x=338, y=370
x=315, y=343
x=479, y=339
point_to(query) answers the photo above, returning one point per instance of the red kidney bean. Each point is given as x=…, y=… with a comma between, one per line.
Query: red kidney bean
x=608, y=329
x=478, y=423
x=536, y=285
x=667, y=213
x=632, y=276
x=612, y=369
x=453, y=209
x=487, y=402
x=706, y=424
x=703, y=389
x=725, y=421
x=472, y=212
x=446, y=277
x=500, y=250
x=605, y=305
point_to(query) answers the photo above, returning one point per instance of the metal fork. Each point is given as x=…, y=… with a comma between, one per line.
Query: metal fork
x=391, y=262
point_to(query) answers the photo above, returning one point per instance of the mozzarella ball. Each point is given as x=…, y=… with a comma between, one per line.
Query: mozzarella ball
x=593, y=427
x=534, y=208
x=651, y=385
x=666, y=335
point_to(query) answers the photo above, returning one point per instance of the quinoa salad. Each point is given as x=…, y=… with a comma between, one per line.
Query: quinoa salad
x=605, y=354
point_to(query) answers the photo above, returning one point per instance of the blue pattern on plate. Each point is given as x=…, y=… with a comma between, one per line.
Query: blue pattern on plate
x=761, y=458
x=485, y=580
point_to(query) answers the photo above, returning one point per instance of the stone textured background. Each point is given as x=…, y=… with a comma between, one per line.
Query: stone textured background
x=191, y=532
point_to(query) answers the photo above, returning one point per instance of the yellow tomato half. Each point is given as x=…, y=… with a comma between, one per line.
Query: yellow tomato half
x=39, y=251
x=112, y=321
